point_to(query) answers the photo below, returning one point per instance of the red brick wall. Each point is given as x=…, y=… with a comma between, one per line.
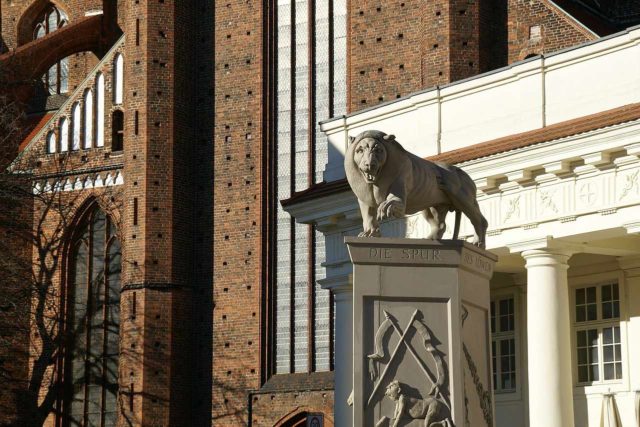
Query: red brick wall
x=159, y=263
x=493, y=36
x=398, y=47
x=385, y=46
x=558, y=30
x=464, y=39
x=237, y=208
x=272, y=409
x=14, y=303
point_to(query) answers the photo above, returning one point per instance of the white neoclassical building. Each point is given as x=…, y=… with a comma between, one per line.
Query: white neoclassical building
x=553, y=144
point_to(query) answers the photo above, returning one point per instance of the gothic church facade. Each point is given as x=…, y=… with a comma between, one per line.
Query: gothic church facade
x=160, y=137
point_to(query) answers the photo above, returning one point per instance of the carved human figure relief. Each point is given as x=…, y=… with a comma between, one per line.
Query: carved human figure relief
x=547, y=200
x=390, y=182
x=513, y=208
x=433, y=409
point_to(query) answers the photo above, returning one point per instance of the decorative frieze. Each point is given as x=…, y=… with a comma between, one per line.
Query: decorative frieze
x=565, y=197
x=102, y=179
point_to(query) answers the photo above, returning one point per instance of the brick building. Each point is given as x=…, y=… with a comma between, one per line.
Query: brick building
x=160, y=137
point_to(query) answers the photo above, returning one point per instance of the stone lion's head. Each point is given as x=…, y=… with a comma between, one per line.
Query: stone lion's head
x=370, y=153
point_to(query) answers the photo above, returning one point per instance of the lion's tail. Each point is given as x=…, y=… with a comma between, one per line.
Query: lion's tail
x=456, y=227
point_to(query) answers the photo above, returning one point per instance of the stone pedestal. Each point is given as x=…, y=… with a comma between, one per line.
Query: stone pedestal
x=421, y=337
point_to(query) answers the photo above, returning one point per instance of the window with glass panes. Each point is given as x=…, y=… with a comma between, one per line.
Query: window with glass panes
x=93, y=324
x=56, y=80
x=310, y=85
x=597, y=333
x=503, y=344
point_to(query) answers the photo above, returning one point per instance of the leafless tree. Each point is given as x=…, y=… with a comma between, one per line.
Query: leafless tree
x=34, y=231
x=35, y=228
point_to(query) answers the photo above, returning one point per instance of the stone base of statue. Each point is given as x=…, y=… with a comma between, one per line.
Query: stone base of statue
x=421, y=335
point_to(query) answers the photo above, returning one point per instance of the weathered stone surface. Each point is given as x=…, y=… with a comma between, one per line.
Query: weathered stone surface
x=390, y=182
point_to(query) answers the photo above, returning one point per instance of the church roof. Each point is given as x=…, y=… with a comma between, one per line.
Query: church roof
x=32, y=126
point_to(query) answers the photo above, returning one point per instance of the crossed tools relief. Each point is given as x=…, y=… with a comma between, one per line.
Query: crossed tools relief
x=434, y=409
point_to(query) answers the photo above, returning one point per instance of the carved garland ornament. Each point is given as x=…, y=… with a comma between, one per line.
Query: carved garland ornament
x=484, y=396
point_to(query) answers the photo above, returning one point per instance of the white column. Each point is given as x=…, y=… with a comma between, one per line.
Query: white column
x=342, y=290
x=548, y=338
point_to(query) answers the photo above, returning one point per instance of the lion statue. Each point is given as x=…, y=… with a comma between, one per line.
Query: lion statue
x=390, y=182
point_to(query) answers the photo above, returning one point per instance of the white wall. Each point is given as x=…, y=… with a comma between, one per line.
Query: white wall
x=522, y=97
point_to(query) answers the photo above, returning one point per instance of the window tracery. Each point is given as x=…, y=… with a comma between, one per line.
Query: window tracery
x=56, y=80
x=93, y=313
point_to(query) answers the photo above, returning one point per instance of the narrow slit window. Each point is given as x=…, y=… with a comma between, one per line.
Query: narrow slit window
x=100, y=110
x=75, y=117
x=117, y=131
x=88, y=119
x=51, y=142
x=118, y=79
x=64, y=134
x=135, y=211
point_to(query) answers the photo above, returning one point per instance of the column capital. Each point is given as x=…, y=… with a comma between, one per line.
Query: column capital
x=630, y=265
x=544, y=245
x=558, y=258
x=341, y=284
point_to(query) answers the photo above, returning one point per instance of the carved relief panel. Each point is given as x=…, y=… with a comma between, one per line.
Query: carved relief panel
x=407, y=381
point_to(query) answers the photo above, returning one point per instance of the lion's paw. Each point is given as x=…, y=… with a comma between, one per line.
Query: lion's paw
x=373, y=232
x=390, y=209
x=475, y=241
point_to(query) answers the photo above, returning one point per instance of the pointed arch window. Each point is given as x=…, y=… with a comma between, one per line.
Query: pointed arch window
x=75, y=122
x=93, y=313
x=100, y=110
x=51, y=142
x=118, y=79
x=64, y=134
x=88, y=118
x=56, y=80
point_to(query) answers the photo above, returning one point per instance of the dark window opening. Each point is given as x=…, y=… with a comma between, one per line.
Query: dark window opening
x=117, y=131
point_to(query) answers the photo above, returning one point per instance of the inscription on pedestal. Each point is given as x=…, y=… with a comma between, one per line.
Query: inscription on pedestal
x=477, y=262
x=405, y=254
